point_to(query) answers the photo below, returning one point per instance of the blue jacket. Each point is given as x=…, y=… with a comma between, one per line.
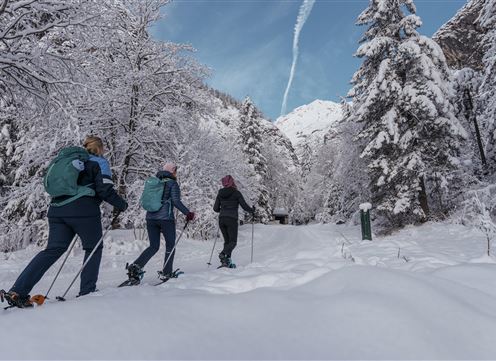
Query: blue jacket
x=171, y=199
x=97, y=175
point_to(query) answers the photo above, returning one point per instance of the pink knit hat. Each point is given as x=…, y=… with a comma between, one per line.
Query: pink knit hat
x=170, y=167
x=228, y=182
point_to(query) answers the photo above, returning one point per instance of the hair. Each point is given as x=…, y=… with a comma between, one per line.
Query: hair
x=170, y=167
x=94, y=145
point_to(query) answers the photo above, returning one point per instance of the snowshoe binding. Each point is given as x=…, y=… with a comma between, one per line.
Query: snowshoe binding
x=164, y=277
x=226, y=261
x=135, y=274
x=13, y=299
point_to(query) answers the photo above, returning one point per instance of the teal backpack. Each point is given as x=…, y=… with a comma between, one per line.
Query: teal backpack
x=63, y=173
x=151, y=198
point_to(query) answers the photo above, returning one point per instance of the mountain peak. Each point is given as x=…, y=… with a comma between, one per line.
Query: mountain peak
x=310, y=119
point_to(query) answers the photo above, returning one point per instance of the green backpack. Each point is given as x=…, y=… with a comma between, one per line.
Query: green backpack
x=151, y=198
x=63, y=173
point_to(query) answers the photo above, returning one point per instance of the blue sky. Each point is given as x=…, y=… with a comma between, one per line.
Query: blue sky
x=248, y=45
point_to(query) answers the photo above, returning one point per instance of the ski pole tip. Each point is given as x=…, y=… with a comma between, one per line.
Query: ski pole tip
x=59, y=298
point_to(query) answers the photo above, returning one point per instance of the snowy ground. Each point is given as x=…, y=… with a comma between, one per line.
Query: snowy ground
x=313, y=292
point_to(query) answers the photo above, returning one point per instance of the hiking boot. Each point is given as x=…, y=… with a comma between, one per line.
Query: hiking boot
x=225, y=260
x=165, y=276
x=135, y=273
x=15, y=300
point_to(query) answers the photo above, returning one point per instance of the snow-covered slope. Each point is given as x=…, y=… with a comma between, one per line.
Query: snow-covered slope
x=311, y=120
x=313, y=292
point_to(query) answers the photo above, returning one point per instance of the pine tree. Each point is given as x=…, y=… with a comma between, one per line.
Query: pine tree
x=251, y=141
x=401, y=97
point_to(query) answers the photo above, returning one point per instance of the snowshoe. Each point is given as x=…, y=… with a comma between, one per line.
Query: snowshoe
x=135, y=274
x=226, y=261
x=230, y=265
x=164, y=277
x=13, y=299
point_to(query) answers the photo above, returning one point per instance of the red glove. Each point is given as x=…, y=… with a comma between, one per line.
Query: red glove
x=190, y=216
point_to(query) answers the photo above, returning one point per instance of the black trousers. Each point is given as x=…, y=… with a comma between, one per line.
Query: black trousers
x=229, y=228
x=61, y=233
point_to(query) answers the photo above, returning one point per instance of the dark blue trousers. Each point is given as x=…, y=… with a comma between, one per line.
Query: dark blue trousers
x=61, y=233
x=154, y=228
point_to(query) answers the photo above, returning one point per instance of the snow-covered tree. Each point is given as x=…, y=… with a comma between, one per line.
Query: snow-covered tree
x=114, y=81
x=35, y=73
x=143, y=89
x=282, y=180
x=30, y=36
x=347, y=174
x=401, y=96
x=251, y=142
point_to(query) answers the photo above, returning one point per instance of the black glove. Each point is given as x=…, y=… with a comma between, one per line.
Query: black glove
x=190, y=216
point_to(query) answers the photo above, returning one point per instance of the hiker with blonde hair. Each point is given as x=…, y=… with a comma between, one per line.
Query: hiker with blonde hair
x=78, y=180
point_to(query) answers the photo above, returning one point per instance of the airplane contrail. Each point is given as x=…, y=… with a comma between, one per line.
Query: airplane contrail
x=304, y=13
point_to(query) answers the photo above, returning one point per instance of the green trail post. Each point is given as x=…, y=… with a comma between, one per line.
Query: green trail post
x=365, y=221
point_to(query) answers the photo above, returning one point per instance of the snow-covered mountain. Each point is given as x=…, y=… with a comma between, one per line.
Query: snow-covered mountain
x=310, y=121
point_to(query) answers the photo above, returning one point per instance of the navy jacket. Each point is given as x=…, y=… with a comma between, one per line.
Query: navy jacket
x=227, y=202
x=171, y=199
x=104, y=188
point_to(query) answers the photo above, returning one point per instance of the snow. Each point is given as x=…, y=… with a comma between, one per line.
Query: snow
x=280, y=212
x=310, y=120
x=365, y=207
x=313, y=292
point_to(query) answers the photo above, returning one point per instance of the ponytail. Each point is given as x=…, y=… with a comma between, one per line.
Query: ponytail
x=94, y=145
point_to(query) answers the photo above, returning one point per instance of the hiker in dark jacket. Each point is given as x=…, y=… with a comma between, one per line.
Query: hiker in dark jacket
x=226, y=204
x=162, y=221
x=79, y=217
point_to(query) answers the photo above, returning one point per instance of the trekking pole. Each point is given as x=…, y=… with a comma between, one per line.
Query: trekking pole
x=213, y=248
x=62, y=298
x=40, y=299
x=62, y=265
x=252, y=231
x=175, y=245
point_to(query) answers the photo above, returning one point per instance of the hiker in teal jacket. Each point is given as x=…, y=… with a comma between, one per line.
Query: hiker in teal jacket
x=161, y=222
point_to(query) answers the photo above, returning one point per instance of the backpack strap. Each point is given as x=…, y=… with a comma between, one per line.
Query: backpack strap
x=169, y=199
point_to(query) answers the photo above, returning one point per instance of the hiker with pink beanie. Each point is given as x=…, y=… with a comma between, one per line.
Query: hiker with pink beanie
x=226, y=204
x=163, y=222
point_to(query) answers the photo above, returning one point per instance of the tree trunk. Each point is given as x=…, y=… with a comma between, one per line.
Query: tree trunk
x=122, y=187
x=488, y=245
x=471, y=114
x=422, y=197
